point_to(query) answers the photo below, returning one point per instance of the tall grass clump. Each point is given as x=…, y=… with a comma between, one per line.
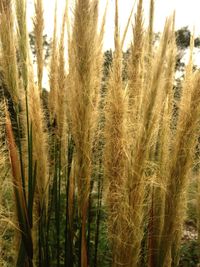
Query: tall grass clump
x=9, y=60
x=160, y=153
x=84, y=86
x=115, y=153
x=26, y=249
x=180, y=166
x=96, y=174
x=7, y=215
x=21, y=149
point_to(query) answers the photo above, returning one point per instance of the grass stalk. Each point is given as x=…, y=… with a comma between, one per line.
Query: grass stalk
x=38, y=30
x=53, y=77
x=9, y=61
x=115, y=154
x=84, y=87
x=21, y=207
x=180, y=163
x=161, y=152
x=69, y=258
x=20, y=6
x=98, y=214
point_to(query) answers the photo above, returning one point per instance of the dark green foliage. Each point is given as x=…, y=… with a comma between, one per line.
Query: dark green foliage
x=108, y=59
x=46, y=45
x=189, y=254
x=183, y=36
x=126, y=56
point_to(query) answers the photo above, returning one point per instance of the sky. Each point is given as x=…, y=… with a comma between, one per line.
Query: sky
x=187, y=13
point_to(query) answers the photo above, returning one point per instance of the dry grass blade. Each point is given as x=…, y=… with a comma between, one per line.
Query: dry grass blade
x=22, y=39
x=9, y=60
x=135, y=67
x=40, y=149
x=127, y=25
x=53, y=77
x=151, y=23
x=115, y=158
x=160, y=154
x=61, y=94
x=83, y=94
x=180, y=163
x=38, y=30
x=21, y=205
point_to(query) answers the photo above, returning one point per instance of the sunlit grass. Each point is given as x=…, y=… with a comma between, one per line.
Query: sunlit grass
x=98, y=176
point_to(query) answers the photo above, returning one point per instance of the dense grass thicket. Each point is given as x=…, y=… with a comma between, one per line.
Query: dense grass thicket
x=98, y=174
